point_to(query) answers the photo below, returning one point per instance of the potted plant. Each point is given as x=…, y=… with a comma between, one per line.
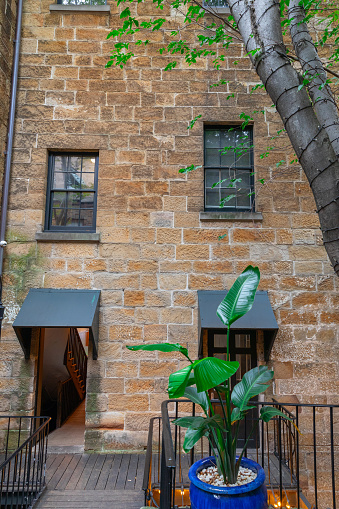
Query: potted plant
x=194, y=381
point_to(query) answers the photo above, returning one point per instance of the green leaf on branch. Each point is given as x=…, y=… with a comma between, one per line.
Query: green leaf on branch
x=189, y=168
x=254, y=382
x=192, y=122
x=192, y=437
x=240, y=298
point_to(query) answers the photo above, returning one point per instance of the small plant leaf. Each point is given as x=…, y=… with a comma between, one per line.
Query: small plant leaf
x=268, y=412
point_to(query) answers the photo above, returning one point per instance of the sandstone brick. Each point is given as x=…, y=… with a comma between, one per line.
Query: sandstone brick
x=192, y=252
x=134, y=298
x=152, y=369
x=125, y=402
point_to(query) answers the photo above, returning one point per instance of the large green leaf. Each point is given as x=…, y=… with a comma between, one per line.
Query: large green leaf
x=192, y=437
x=161, y=347
x=211, y=371
x=178, y=381
x=199, y=398
x=240, y=297
x=268, y=412
x=253, y=383
x=193, y=422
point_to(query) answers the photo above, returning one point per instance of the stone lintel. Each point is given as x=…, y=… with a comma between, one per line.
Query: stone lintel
x=230, y=216
x=67, y=237
x=81, y=8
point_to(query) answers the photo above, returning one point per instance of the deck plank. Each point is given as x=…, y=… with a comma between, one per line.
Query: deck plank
x=64, y=480
x=105, y=472
x=76, y=474
x=113, y=475
x=122, y=474
x=131, y=473
x=85, y=474
x=93, y=479
x=60, y=470
x=105, y=499
x=140, y=472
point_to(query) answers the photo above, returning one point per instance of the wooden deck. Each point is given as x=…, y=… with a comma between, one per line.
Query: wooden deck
x=93, y=481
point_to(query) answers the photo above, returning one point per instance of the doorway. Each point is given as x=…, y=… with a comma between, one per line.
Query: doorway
x=243, y=349
x=61, y=383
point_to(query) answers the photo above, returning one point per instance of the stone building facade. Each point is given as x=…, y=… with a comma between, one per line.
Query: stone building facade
x=156, y=245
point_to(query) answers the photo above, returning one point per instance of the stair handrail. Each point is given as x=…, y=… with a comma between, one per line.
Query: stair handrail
x=77, y=352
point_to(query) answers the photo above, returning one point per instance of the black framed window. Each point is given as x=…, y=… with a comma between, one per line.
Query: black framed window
x=228, y=161
x=72, y=192
x=82, y=2
x=215, y=3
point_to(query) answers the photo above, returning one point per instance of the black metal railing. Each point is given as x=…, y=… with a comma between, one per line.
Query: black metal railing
x=302, y=470
x=23, y=457
x=67, y=400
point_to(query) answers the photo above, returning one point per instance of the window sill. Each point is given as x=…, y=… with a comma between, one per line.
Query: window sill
x=230, y=216
x=79, y=8
x=67, y=237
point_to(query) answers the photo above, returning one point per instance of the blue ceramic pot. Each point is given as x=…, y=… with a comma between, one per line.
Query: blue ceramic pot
x=248, y=496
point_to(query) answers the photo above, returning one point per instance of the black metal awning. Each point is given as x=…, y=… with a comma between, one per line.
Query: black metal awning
x=45, y=307
x=260, y=316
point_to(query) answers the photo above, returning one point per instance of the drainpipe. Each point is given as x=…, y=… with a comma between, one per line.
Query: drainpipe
x=6, y=180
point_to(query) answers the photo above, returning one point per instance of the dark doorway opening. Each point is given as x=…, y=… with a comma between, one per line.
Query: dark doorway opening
x=62, y=372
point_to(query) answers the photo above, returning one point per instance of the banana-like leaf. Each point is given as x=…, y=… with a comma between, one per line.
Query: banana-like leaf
x=199, y=427
x=253, y=383
x=178, y=381
x=192, y=437
x=240, y=297
x=268, y=412
x=211, y=371
x=161, y=347
x=199, y=398
x=190, y=422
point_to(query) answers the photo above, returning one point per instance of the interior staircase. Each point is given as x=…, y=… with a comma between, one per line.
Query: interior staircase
x=75, y=360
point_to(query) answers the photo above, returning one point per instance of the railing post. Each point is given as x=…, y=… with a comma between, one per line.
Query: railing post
x=165, y=481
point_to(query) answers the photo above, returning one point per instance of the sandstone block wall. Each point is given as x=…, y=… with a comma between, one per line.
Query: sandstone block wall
x=155, y=251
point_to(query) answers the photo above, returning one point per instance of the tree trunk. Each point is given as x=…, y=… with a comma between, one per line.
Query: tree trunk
x=260, y=26
x=321, y=95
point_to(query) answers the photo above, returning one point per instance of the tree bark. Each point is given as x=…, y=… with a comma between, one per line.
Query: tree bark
x=260, y=26
x=320, y=93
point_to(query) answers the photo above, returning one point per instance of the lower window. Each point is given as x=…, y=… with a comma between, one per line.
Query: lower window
x=71, y=192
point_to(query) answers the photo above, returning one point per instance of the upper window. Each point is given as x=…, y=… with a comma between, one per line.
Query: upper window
x=228, y=161
x=82, y=2
x=215, y=4
x=71, y=192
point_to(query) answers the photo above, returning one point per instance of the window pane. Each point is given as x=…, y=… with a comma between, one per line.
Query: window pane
x=73, y=200
x=82, y=2
x=212, y=177
x=87, y=181
x=88, y=164
x=227, y=175
x=228, y=159
x=212, y=157
x=245, y=179
x=243, y=200
x=242, y=341
x=229, y=193
x=59, y=200
x=67, y=180
x=221, y=356
x=212, y=198
x=86, y=217
x=243, y=148
x=72, y=218
x=212, y=139
x=244, y=360
x=87, y=200
x=59, y=217
x=220, y=340
x=227, y=142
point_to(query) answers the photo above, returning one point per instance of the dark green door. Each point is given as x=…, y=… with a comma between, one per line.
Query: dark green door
x=243, y=350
